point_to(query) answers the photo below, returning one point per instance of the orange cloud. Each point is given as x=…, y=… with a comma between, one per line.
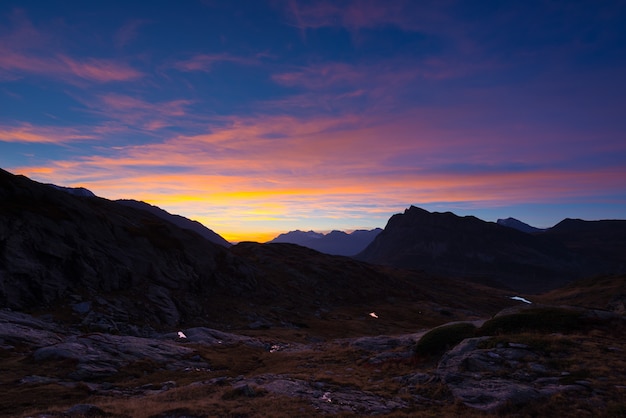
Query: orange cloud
x=44, y=135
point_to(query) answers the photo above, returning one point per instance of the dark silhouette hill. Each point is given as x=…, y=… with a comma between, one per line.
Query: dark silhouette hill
x=334, y=243
x=57, y=247
x=468, y=247
x=603, y=241
x=178, y=220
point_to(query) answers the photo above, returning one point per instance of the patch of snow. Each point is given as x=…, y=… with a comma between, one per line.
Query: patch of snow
x=274, y=348
x=373, y=315
x=521, y=299
x=181, y=335
x=326, y=397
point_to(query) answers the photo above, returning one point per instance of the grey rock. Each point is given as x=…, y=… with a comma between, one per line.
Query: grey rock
x=476, y=376
x=99, y=355
x=85, y=410
x=16, y=328
x=82, y=308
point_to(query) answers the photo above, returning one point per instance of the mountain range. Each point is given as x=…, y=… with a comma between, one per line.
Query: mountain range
x=335, y=242
x=118, y=308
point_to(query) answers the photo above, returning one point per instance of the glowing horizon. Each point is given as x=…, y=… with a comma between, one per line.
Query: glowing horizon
x=257, y=119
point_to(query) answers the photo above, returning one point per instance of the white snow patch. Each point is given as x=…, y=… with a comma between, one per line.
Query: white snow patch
x=373, y=315
x=521, y=299
x=275, y=348
x=181, y=335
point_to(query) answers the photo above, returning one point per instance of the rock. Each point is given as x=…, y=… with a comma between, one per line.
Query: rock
x=85, y=410
x=328, y=399
x=488, y=379
x=82, y=308
x=209, y=336
x=98, y=355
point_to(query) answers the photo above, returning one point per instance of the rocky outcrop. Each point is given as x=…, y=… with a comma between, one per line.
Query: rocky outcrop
x=54, y=245
x=490, y=378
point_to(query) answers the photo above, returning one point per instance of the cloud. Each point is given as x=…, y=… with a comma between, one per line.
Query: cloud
x=137, y=114
x=24, y=50
x=128, y=32
x=206, y=62
x=27, y=133
x=356, y=14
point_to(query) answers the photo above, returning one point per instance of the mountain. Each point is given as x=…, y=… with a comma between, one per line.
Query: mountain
x=178, y=220
x=56, y=247
x=603, y=241
x=468, y=247
x=110, y=266
x=519, y=225
x=334, y=243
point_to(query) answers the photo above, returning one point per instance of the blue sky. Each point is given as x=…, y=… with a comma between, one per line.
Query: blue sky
x=259, y=117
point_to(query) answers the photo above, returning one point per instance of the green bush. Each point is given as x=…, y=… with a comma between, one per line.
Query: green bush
x=439, y=340
x=541, y=320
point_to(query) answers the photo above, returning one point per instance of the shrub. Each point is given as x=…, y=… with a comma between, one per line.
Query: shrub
x=440, y=339
x=541, y=319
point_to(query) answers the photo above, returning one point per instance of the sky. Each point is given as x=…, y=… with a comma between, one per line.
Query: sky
x=259, y=117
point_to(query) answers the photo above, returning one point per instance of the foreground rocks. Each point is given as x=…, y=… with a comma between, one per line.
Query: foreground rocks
x=488, y=379
x=359, y=376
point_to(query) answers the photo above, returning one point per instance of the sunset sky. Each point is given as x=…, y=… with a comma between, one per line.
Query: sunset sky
x=259, y=117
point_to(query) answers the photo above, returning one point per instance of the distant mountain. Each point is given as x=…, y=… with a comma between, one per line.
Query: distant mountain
x=334, y=243
x=178, y=220
x=519, y=225
x=468, y=247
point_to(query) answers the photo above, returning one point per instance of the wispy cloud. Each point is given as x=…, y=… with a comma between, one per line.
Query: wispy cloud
x=138, y=114
x=358, y=14
x=128, y=32
x=206, y=62
x=28, y=133
x=24, y=51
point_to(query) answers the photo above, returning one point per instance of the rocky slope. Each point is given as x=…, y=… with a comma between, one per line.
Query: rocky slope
x=56, y=248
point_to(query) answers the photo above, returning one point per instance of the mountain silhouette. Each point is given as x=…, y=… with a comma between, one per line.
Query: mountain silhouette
x=334, y=243
x=468, y=247
x=178, y=220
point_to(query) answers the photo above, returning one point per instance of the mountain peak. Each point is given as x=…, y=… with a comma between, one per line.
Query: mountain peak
x=519, y=225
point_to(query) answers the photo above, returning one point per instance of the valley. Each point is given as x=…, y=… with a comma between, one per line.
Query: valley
x=117, y=309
